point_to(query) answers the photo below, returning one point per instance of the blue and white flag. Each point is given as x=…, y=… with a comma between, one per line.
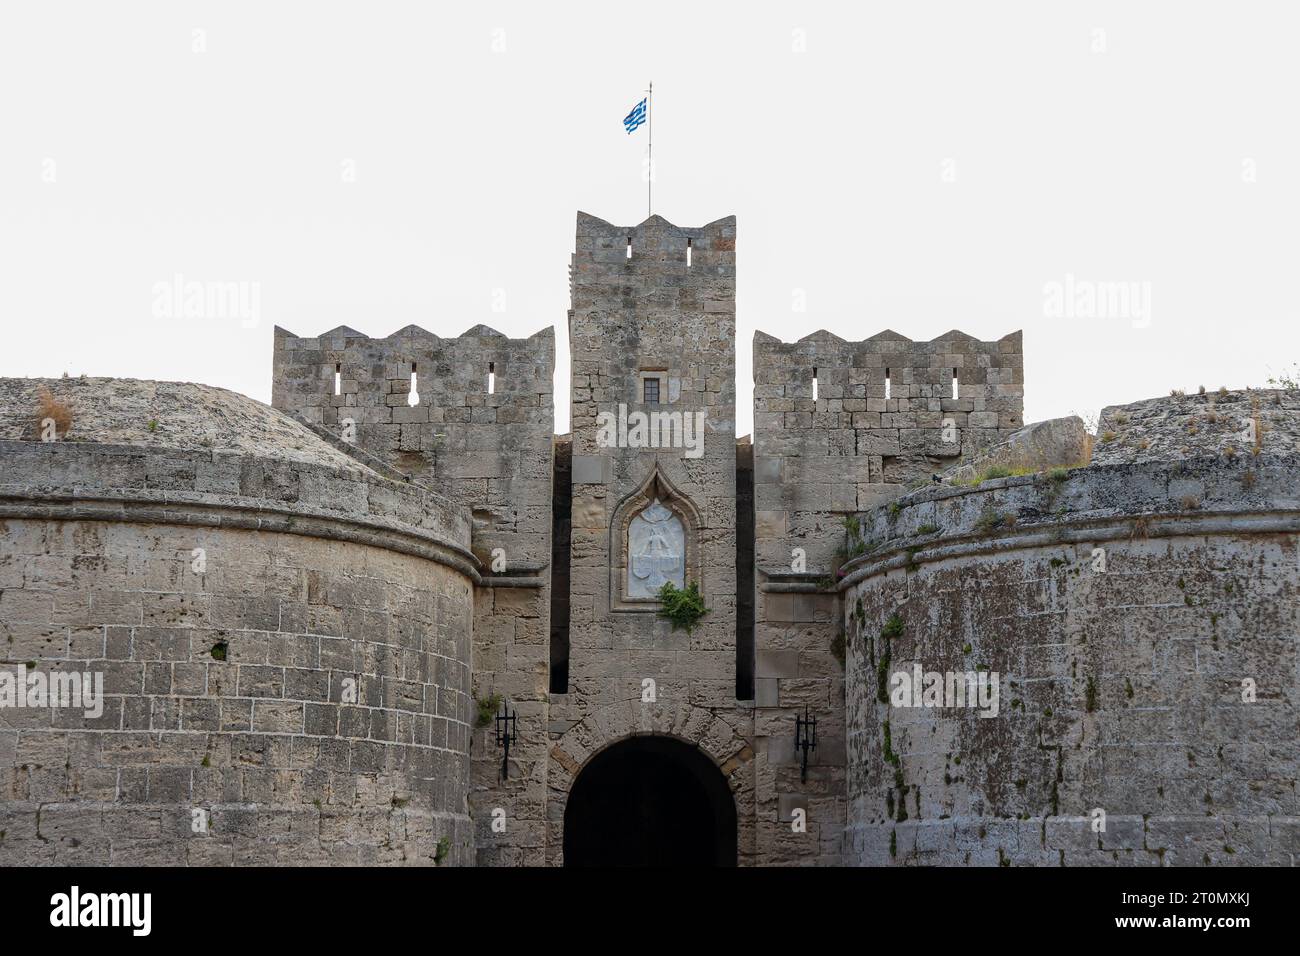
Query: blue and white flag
x=636, y=117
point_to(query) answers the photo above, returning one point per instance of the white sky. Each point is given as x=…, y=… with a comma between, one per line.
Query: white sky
x=227, y=165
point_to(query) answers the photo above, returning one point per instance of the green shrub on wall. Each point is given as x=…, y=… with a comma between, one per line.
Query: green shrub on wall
x=683, y=606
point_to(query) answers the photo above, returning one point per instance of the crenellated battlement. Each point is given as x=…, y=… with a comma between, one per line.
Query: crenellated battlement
x=472, y=414
x=372, y=377
x=989, y=375
x=698, y=262
x=906, y=406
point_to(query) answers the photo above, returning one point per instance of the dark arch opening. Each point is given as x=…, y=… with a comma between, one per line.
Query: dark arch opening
x=650, y=801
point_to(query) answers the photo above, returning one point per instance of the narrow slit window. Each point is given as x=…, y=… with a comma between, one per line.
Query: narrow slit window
x=413, y=398
x=650, y=391
x=492, y=378
x=629, y=247
x=338, y=379
x=954, y=383
x=814, y=385
x=688, y=253
x=887, y=383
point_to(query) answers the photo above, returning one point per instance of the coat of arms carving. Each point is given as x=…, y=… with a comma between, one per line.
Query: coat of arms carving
x=656, y=548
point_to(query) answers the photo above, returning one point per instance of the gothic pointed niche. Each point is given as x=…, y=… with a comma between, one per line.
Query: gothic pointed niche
x=653, y=542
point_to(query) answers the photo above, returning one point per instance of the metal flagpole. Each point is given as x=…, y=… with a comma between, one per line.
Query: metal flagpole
x=650, y=152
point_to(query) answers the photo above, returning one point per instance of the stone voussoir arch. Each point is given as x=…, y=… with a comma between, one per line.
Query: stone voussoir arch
x=700, y=727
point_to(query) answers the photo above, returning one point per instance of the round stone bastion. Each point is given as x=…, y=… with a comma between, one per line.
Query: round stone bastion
x=281, y=634
x=1138, y=620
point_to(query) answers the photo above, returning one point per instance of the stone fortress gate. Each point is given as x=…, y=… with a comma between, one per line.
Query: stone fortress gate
x=309, y=617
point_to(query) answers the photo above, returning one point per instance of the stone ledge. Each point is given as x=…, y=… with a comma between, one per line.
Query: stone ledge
x=1079, y=532
x=224, y=512
x=1106, y=502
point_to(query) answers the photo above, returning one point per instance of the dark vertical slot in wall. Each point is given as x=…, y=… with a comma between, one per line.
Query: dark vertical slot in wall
x=561, y=532
x=745, y=571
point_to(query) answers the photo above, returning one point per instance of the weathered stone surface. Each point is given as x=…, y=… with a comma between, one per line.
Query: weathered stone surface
x=880, y=415
x=147, y=414
x=1131, y=625
x=478, y=429
x=164, y=752
x=1054, y=443
x=1231, y=424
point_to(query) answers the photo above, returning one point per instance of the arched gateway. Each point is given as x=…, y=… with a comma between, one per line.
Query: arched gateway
x=650, y=801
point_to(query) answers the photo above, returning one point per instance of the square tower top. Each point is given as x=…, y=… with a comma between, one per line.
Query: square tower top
x=655, y=255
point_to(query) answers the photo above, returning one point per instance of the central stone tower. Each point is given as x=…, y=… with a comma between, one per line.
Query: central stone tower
x=653, y=499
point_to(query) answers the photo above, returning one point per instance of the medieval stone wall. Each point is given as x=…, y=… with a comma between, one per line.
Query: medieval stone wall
x=489, y=452
x=480, y=432
x=884, y=413
x=1142, y=622
x=839, y=427
x=284, y=643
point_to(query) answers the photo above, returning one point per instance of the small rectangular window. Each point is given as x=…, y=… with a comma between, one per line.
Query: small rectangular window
x=629, y=247
x=954, y=383
x=688, y=253
x=814, y=385
x=650, y=388
x=886, y=383
x=338, y=379
x=492, y=378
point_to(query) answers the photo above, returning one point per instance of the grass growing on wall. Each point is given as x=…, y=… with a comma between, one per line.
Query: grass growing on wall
x=893, y=629
x=54, y=411
x=487, y=709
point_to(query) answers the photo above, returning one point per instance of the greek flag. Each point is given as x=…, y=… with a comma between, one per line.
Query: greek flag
x=635, y=118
